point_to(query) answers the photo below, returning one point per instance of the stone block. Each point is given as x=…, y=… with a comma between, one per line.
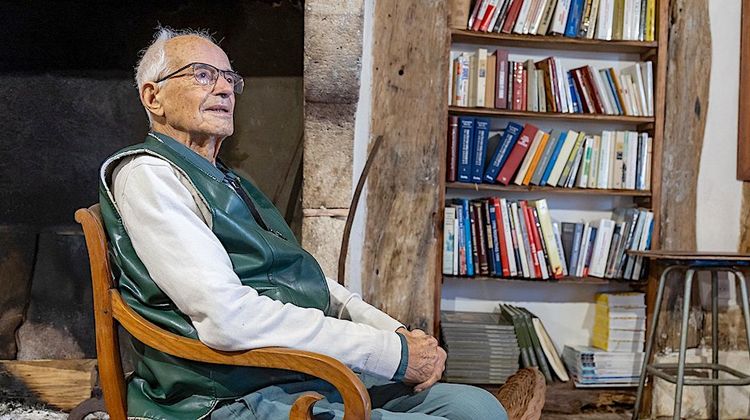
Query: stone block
x=333, y=58
x=334, y=7
x=17, y=249
x=327, y=165
x=321, y=237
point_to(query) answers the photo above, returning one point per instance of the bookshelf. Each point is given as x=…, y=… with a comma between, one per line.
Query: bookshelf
x=655, y=51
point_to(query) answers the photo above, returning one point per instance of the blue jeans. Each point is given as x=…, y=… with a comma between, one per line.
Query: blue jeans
x=390, y=401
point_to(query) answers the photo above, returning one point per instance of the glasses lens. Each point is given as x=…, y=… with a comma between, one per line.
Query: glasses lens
x=239, y=83
x=205, y=74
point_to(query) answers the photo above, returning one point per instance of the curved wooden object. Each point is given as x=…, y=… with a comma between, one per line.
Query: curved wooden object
x=110, y=308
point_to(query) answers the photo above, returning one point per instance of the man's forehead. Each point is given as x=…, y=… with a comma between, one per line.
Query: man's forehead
x=186, y=49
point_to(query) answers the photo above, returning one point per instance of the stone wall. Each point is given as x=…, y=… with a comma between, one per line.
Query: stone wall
x=333, y=60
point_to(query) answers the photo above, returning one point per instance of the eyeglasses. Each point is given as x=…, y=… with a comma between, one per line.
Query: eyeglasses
x=207, y=75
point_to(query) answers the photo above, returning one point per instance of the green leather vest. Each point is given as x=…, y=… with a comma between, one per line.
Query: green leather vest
x=273, y=263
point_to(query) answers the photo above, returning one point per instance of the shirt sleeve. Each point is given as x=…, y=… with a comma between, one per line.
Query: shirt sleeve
x=187, y=261
x=348, y=305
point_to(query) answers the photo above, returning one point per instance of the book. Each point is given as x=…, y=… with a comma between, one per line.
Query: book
x=553, y=255
x=465, y=152
x=479, y=146
x=452, y=155
x=501, y=85
x=448, y=240
x=507, y=142
x=562, y=157
x=605, y=229
x=517, y=154
x=550, y=352
x=526, y=164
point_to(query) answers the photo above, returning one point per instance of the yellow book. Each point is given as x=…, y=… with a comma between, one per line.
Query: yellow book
x=535, y=160
x=549, y=238
x=650, y=20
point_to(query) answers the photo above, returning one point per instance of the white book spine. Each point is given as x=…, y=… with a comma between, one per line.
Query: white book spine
x=594, y=168
x=508, y=240
x=632, y=159
x=606, y=145
x=481, y=76
x=560, y=18
x=591, y=30
x=519, y=240
x=599, y=86
x=534, y=27
x=495, y=15
x=560, y=249
x=583, y=250
x=601, y=247
x=522, y=17
x=448, y=239
x=604, y=20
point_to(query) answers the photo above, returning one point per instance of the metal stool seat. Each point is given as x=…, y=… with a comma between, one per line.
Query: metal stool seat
x=691, y=263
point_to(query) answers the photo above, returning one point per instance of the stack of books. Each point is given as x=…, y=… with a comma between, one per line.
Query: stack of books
x=491, y=80
x=526, y=155
x=482, y=347
x=590, y=19
x=592, y=367
x=505, y=238
x=620, y=322
x=616, y=355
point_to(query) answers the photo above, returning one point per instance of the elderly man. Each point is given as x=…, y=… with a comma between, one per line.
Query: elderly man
x=203, y=253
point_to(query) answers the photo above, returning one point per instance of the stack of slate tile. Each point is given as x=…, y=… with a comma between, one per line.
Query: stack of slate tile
x=481, y=347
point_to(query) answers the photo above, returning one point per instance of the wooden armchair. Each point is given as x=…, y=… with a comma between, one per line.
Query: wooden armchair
x=109, y=309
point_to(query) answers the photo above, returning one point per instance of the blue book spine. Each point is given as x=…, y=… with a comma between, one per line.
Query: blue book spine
x=466, y=134
x=553, y=159
x=590, y=250
x=481, y=132
x=505, y=145
x=574, y=18
x=496, y=250
x=461, y=239
x=467, y=235
x=614, y=92
x=574, y=95
x=576, y=249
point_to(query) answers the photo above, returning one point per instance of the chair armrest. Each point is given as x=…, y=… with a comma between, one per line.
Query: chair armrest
x=355, y=396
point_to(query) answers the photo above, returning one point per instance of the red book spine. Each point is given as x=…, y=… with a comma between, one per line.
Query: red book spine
x=452, y=155
x=585, y=101
x=513, y=12
x=474, y=13
x=474, y=240
x=480, y=15
x=517, y=154
x=518, y=92
x=501, y=86
x=592, y=90
x=501, y=237
x=481, y=239
x=555, y=85
x=524, y=88
x=532, y=242
x=534, y=232
x=488, y=16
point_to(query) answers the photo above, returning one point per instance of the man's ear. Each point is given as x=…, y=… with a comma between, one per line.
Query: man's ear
x=150, y=100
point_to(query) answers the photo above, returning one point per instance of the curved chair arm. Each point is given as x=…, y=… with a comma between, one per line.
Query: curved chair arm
x=355, y=396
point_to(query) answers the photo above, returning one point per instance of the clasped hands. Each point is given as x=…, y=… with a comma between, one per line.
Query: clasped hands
x=426, y=359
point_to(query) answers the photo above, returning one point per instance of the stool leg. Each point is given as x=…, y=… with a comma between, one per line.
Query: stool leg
x=650, y=342
x=715, y=342
x=683, y=344
x=745, y=305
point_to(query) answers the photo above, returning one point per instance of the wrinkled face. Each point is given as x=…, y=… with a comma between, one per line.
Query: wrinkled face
x=188, y=106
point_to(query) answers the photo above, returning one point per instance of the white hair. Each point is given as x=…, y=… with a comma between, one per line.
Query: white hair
x=153, y=63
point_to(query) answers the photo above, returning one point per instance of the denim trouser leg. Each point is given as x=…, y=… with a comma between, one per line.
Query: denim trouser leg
x=390, y=401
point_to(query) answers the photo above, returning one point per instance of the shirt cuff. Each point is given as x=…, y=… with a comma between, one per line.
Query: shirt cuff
x=401, y=370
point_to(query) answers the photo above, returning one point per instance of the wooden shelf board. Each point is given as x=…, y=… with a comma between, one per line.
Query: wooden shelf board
x=564, y=280
x=545, y=190
x=551, y=42
x=492, y=112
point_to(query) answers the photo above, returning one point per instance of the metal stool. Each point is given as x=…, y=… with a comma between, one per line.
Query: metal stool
x=691, y=263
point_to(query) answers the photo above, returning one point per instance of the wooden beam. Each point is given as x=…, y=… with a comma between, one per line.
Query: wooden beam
x=743, y=129
x=404, y=207
x=62, y=384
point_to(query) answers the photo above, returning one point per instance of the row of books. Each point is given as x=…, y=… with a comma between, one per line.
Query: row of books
x=505, y=238
x=593, y=367
x=600, y=19
x=620, y=322
x=490, y=80
x=527, y=155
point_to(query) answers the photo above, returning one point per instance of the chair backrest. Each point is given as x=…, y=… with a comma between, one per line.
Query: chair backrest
x=107, y=341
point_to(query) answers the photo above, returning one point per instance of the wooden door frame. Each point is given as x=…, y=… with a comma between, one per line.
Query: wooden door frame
x=743, y=129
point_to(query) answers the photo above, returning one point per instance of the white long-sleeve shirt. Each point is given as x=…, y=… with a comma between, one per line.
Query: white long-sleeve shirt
x=170, y=229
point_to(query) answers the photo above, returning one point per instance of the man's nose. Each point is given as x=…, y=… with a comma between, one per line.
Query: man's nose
x=223, y=87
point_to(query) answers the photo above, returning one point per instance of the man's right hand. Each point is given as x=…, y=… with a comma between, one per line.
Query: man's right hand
x=423, y=356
